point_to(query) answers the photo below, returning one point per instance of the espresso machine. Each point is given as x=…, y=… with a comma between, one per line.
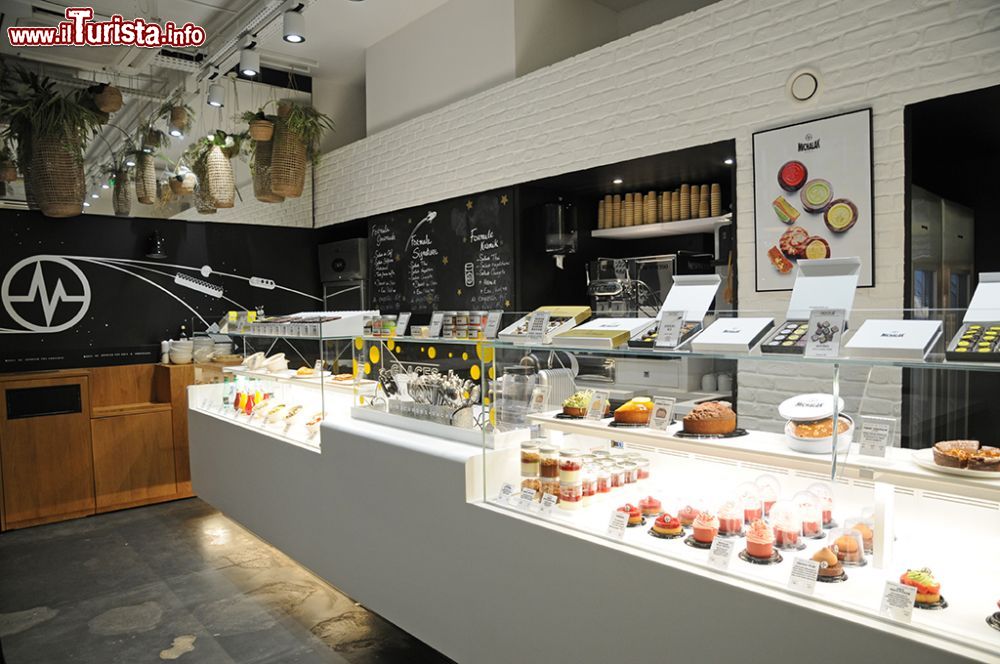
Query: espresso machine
x=624, y=287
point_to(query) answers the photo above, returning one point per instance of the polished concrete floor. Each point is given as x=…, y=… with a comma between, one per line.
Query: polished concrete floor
x=180, y=582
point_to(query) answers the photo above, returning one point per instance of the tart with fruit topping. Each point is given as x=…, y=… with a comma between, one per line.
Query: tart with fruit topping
x=650, y=506
x=634, y=515
x=666, y=526
x=830, y=567
x=577, y=404
x=635, y=411
x=928, y=589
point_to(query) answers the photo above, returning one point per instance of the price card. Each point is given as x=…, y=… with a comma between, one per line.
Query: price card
x=663, y=413
x=826, y=328
x=803, y=576
x=527, y=497
x=897, y=601
x=549, y=501
x=437, y=320
x=668, y=334
x=506, y=492
x=721, y=553
x=492, y=324
x=402, y=323
x=598, y=404
x=617, y=524
x=876, y=435
x=539, y=398
x=538, y=323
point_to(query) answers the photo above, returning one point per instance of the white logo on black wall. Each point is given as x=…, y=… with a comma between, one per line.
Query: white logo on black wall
x=63, y=303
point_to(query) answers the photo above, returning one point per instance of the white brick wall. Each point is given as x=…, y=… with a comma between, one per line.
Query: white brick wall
x=710, y=75
x=293, y=212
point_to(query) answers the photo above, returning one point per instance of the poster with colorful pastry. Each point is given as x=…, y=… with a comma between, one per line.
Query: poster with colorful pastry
x=813, y=197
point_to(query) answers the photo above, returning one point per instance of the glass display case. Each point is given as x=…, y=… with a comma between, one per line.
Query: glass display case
x=791, y=474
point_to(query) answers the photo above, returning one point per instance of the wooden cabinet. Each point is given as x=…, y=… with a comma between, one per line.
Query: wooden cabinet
x=133, y=458
x=170, y=385
x=45, y=453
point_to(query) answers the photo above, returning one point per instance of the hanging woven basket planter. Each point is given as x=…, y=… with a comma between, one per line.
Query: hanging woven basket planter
x=288, y=161
x=145, y=179
x=183, y=183
x=121, y=198
x=108, y=99
x=202, y=200
x=179, y=117
x=221, y=181
x=261, y=168
x=261, y=130
x=58, y=183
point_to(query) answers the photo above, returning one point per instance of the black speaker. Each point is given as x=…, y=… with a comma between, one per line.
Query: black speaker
x=346, y=260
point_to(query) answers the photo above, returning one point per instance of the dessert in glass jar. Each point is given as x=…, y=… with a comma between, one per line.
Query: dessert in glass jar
x=549, y=461
x=570, y=495
x=570, y=466
x=531, y=459
x=730, y=520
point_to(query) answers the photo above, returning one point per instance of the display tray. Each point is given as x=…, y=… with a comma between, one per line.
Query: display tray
x=935, y=606
x=925, y=459
x=774, y=559
x=975, y=342
x=712, y=436
x=627, y=425
x=789, y=338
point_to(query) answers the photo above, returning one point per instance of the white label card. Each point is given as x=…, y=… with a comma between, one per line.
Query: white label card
x=721, y=553
x=506, y=492
x=663, y=413
x=598, y=404
x=527, y=497
x=668, y=334
x=549, y=501
x=539, y=398
x=876, y=435
x=826, y=329
x=617, y=524
x=897, y=601
x=492, y=324
x=437, y=320
x=402, y=323
x=803, y=576
x=538, y=323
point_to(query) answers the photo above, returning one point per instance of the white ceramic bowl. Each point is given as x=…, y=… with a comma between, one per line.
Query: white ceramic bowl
x=180, y=357
x=818, y=445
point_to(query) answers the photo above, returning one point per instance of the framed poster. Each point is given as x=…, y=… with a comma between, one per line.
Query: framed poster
x=813, y=197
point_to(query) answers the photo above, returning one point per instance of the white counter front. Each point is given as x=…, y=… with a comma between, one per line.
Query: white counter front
x=396, y=520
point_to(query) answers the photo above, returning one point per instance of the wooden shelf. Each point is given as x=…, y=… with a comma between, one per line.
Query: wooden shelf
x=664, y=228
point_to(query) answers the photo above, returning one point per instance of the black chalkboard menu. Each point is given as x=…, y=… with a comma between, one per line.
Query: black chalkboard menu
x=456, y=254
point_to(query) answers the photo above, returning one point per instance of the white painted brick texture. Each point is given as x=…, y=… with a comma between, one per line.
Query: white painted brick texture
x=292, y=213
x=715, y=74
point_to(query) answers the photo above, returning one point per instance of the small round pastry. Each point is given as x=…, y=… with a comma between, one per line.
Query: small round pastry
x=705, y=527
x=817, y=248
x=792, y=175
x=687, y=515
x=760, y=540
x=867, y=535
x=634, y=514
x=710, y=418
x=928, y=589
x=816, y=195
x=667, y=525
x=841, y=215
x=635, y=411
x=577, y=404
x=793, y=242
x=829, y=565
x=650, y=506
x=848, y=550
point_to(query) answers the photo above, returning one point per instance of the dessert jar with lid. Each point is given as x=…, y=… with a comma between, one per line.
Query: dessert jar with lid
x=784, y=518
x=642, y=464
x=810, y=514
x=603, y=478
x=531, y=459
x=631, y=469
x=589, y=482
x=866, y=528
x=549, y=461
x=748, y=499
x=825, y=499
x=618, y=474
x=769, y=489
x=570, y=466
x=570, y=495
x=849, y=547
x=730, y=520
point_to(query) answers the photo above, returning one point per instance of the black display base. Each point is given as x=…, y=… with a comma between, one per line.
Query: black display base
x=795, y=547
x=840, y=578
x=862, y=563
x=636, y=525
x=666, y=536
x=994, y=621
x=711, y=436
x=936, y=606
x=692, y=542
x=627, y=425
x=773, y=560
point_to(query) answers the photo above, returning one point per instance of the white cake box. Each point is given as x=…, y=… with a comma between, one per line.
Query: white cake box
x=894, y=339
x=737, y=335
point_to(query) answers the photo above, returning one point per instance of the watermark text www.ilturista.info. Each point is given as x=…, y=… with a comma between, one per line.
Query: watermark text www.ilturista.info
x=80, y=30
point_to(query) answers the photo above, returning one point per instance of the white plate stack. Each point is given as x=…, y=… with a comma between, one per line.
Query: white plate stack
x=181, y=351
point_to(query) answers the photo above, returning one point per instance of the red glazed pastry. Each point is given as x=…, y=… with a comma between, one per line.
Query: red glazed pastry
x=666, y=524
x=760, y=540
x=634, y=514
x=650, y=506
x=687, y=515
x=705, y=527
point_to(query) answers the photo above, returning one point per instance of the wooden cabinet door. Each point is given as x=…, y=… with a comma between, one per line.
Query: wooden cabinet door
x=133, y=459
x=45, y=459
